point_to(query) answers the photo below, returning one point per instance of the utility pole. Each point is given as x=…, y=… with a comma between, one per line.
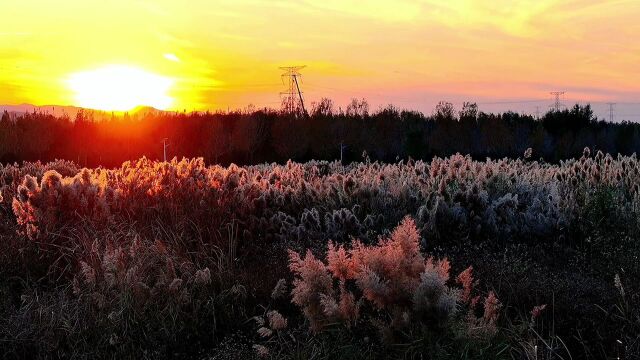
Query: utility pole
x=611, y=105
x=293, y=101
x=165, y=145
x=537, y=112
x=342, y=147
x=557, y=104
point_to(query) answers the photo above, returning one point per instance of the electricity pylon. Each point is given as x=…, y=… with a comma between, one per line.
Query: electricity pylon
x=557, y=104
x=292, y=102
x=611, y=105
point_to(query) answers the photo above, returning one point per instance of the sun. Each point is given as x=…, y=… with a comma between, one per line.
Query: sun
x=120, y=88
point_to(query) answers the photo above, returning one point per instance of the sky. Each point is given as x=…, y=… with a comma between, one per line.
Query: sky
x=199, y=55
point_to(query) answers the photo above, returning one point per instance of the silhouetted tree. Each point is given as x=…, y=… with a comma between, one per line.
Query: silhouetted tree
x=251, y=135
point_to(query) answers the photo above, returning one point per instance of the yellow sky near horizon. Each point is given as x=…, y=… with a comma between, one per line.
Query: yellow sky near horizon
x=226, y=53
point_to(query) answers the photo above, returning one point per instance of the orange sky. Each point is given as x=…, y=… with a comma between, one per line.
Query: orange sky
x=412, y=53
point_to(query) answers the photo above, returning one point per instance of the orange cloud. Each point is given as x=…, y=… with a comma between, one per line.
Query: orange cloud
x=227, y=53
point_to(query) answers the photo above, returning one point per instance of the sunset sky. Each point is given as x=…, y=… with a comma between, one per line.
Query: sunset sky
x=413, y=53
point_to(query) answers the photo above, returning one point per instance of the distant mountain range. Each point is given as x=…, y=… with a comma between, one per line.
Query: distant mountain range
x=71, y=111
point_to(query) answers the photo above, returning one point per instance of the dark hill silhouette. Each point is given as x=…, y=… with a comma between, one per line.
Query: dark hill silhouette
x=67, y=110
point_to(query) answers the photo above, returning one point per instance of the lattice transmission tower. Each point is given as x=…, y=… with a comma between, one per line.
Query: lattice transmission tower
x=557, y=104
x=611, y=111
x=292, y=100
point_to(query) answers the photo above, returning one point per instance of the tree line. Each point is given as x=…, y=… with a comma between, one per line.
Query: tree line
x=326, y=133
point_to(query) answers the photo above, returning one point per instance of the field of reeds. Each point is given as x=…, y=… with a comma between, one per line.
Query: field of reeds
x=452, y=258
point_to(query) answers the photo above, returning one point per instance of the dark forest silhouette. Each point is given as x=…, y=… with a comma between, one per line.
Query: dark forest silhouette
x=255, y=136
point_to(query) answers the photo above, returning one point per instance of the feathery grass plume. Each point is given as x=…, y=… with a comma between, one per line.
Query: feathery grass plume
x=433, y=300
x=28, y=187
x=389, y=272
x=259, y=320
x=175, y=285
x=261, y=350
x=483, y=327
x=202, y=277
x=279, y=290
x=277, y=322
x=465, y=279
x=330, y=306
x=88, y=274
x=440, y=267
x=312, y=281
x=491, y=308
x=528, y=153
x=406, y=236
x=537, y=311
x=51, y=180
x=338, y=262
x=374, y=288
x=349, y=309
x=265, y=332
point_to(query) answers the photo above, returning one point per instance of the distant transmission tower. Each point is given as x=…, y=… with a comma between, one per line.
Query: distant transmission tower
x=611, y=105
x=292, y=102
x=557, y=104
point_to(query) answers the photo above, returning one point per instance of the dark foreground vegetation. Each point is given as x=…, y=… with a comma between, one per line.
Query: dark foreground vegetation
x=250, y=136
x=452, y=258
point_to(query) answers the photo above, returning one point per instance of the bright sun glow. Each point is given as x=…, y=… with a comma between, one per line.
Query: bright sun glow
x=120, y=88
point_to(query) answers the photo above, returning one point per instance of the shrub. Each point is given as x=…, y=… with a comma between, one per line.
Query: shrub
x=392, y=281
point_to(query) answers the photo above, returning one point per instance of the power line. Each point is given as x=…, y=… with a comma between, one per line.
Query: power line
x=325, y=87
x=604, y=102
x=511, y=102
x=241, y=102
